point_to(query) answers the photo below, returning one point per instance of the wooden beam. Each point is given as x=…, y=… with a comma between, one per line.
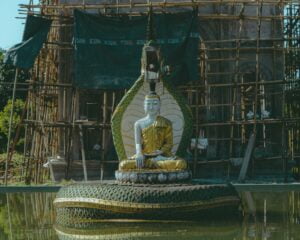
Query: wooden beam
x=162, y=4
x=82, y=152
x=247, y=158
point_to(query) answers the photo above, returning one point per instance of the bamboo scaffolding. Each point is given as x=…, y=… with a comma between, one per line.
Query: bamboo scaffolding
x=198, y=133
x=269, y=82
x=202, y=16
x=162, y=4
x=236, y=79
x=43, y=86
x=52, y=79
x=257, y=67
x=251, y=122
x=10, y=127
x=107, y=125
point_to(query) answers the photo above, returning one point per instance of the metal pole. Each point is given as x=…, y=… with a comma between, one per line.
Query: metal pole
x=10, y=125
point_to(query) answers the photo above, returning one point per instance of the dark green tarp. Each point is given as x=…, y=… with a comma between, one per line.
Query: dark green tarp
x=108, y=49
x=22, y=55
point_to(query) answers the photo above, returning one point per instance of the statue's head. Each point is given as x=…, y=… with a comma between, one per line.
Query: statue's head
x=152, y=104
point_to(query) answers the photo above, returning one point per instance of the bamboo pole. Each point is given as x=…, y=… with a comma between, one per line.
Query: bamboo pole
x=243, y=112
x=28, y=135
x=104, y=118
x=107, y=125
x=269, y=82
x=283, y=139
x=17, y=135
x=197, y=134
x=10, y=125
x=236, y=78
x=162, y=4
x=212, y=85
x=224, y=17
x=257, y=66
x=82, y=153
x=26, y=130
x=71, y=130
x=251, y=122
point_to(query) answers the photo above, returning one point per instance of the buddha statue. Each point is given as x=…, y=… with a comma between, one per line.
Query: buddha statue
x=153, y=136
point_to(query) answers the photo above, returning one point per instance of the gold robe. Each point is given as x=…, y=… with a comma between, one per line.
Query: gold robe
x=157, y=136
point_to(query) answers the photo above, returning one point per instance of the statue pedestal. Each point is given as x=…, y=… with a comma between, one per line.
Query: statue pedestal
x=152, y=176
x=94, y=201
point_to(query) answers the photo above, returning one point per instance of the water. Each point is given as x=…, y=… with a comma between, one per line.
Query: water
x=270, y=215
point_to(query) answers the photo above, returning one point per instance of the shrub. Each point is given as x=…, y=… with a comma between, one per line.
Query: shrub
x=4, y=122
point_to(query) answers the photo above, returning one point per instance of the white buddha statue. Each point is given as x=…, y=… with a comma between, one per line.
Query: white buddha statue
x=153, y=141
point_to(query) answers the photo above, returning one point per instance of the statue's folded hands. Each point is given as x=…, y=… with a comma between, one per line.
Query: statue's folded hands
x=154, y=154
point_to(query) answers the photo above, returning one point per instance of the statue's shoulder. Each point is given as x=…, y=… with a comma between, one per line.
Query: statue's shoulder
x=163, y=122
x=139, y=122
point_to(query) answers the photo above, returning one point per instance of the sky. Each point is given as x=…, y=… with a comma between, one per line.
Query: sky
x=11, y=29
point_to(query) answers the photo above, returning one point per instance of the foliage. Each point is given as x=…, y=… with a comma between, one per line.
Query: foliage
x=30, y=216
x=16, y=161
x=2, y=51
x=7, y=75
x=5, y=115
x=4, y=121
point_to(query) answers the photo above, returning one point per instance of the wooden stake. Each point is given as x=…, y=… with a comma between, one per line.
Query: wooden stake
x=10, y=125
x=82, y=153
x=247, y=158
x=104, y=109
x=236, y=80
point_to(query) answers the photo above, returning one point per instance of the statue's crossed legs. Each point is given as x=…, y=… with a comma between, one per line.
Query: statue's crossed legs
x=150, y=163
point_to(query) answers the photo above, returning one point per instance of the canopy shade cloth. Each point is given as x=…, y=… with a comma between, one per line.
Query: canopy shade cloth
x=108, y=49
x=22, y=55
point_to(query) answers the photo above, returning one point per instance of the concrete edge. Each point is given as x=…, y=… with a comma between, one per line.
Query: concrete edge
x=22, y=189
x=266, y=187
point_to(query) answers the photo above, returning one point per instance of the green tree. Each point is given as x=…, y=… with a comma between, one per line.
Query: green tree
x=4, y=122
x=7, y=75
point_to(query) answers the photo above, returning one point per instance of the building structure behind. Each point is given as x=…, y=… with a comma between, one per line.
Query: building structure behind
x=249, y=82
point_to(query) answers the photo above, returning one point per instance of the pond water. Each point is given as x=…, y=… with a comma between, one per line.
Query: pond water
x=269, y=215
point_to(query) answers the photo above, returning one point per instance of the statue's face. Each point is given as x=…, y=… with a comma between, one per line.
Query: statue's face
x=152, y=106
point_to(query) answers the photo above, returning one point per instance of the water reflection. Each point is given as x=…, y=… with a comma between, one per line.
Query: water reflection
x=147, y=231
x=271, y=215
x=27, y=216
